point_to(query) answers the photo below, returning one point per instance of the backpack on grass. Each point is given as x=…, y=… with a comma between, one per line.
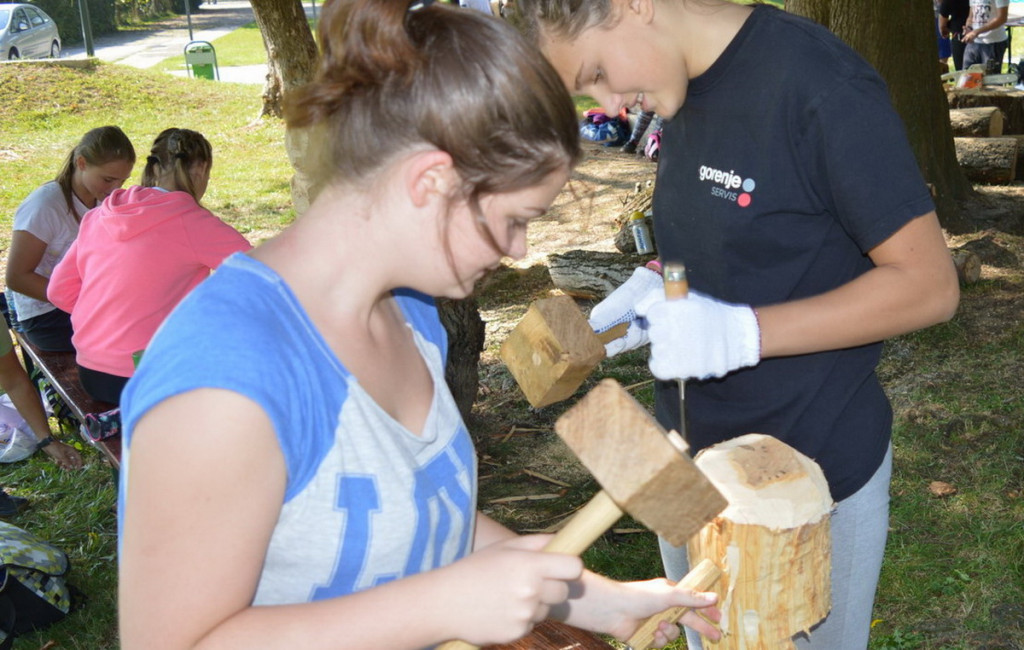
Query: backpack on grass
x=604, y=129
x=33, y=590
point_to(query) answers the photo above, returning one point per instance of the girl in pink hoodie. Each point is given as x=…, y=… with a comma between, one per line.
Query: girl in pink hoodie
x=136, y=256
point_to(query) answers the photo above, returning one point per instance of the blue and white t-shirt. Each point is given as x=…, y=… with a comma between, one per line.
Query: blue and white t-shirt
x=366, y=501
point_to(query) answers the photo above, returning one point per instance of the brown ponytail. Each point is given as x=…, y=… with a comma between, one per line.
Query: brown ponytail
x=174, y=152
x=391, y=78
x=98, y=147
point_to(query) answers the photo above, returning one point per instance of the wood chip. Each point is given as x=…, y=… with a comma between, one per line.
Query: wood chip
x=514, y=430
x=534, y=474
x=509, y=500
x=639, y=384
x=941, y=489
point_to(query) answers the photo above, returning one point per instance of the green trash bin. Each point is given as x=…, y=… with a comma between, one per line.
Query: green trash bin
x=201, y=59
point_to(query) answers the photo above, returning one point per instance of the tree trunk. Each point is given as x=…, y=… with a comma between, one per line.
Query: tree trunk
x=466, y=330
x=291, y=50
x=898, y=39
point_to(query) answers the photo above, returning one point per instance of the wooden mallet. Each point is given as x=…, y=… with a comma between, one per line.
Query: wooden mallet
x=553, y=349
x=643, y=471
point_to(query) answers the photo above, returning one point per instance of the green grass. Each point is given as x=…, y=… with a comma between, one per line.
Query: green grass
x=75, y=512
x=46, y=108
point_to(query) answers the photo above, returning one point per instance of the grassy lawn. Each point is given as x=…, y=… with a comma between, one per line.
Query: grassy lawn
x=46, y=109
x=954, y=571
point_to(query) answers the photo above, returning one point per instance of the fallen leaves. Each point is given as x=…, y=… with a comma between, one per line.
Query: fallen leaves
x=941, y=489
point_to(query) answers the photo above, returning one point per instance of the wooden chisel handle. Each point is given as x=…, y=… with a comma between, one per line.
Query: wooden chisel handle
x=589, y=523
x=676, y=286
x=700, y=578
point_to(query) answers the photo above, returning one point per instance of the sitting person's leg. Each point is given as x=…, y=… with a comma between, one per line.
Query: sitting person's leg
x=642, y=122
x=11, y=505
x=102, y=386
x=50, y=332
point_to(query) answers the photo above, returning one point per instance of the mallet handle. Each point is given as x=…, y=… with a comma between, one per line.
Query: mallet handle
x=613, y=333
x=700, y=578
x=589, y=523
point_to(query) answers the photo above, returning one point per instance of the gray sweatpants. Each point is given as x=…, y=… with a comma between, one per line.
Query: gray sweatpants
x=859, y=526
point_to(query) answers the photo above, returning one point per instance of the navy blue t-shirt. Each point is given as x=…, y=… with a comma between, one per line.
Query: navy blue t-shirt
x=784, y=167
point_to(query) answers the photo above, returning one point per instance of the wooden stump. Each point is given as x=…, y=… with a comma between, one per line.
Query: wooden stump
x=772, y=542
x=988, y=160
x=968, y=265
x=983, y=121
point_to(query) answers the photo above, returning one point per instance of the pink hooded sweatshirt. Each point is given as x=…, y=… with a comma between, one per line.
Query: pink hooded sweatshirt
x=136, y=256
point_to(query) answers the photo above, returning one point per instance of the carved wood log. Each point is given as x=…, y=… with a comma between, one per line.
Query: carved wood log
x=775, y=559
x=988, y=160
x=466, y=330
x=983, y=121
x=592, y=274
x=968, y=265
x=1009, y=100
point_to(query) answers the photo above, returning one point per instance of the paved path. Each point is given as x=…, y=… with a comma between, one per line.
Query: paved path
x=144, y=49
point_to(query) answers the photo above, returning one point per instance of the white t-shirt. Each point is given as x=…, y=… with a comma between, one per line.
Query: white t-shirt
x=983, y=11
x=45, y=215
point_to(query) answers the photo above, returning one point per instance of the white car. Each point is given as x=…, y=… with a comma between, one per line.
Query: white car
x=26, y=32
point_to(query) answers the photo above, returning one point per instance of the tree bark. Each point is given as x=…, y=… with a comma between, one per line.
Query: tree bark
x=291, y=50
x=898, y=39
x=466, y=330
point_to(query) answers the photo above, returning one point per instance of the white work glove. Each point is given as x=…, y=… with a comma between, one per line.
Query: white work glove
x=619, y=307
x=699, y=337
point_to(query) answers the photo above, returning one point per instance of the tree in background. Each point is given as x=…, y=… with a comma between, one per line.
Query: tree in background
x=291, y=49
x=898, y=39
